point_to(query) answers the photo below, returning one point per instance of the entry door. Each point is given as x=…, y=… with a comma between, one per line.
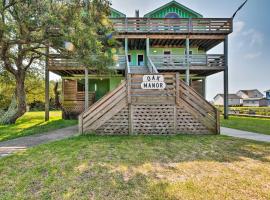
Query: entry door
x=140, y=59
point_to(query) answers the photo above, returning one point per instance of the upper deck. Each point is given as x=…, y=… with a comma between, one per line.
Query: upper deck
x=184, y=26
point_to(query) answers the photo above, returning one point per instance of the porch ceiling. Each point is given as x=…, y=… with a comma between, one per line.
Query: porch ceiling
x=204, y=44
x=74, y=72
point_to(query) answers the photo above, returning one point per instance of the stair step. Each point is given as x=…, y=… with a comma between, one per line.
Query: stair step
x=139, y=70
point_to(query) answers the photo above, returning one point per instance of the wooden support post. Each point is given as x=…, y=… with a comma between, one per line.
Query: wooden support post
x=47, y=86
x=177, y=87
x=126, y=45
x=86, y=92
x=204, y=87
x=147, y=52
x=130, y=121
x=187, y=62
x=126, y=53
x=226, y=80
x=130, y=106
x=80, y=120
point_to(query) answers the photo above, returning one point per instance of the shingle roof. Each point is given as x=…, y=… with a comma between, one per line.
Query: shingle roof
x=252, y=93
x=230, y=96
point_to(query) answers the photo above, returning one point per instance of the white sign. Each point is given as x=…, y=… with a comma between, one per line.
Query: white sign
x=153, y=82
x=153, y=78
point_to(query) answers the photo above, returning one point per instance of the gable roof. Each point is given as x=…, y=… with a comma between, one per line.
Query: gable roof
x=267, y=90
x=174, y=3
x=117, y=12
x=230, y=96
x=251, y=93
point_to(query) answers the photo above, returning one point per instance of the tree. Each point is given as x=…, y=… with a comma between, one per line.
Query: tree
x=34, y=88
x=27, y=27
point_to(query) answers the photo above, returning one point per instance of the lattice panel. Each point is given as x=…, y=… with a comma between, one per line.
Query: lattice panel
x=117, y=125
x=188, y=124
x=153, y=119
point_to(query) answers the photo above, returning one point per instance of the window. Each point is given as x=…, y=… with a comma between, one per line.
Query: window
x=167, y=52
x=80, y=85
x=140, y=60
x=190, y=52
x=172, y=15
x=129, y=59
x=167, y=56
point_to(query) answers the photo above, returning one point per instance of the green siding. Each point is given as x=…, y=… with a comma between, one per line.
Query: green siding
x=134, y=54
x=115, y=81
x=116, y=14
x=177, y=51
x=182, y=13
x=173, y=7
x=101, y=85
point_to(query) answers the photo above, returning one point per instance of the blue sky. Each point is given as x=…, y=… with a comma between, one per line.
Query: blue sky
x=249, y=45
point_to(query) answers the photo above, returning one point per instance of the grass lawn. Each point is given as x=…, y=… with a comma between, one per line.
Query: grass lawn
x=139, y=167
x=33, y=123
x=257, y=125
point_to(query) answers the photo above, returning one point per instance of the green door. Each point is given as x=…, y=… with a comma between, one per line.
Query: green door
x=99, y=86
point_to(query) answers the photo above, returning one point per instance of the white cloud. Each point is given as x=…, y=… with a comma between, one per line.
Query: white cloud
x=253, y=55
x=237, y=28
x=255, y=37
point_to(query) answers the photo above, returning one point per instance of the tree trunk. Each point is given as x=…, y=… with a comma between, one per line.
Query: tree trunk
x=57, y=103
x=21, y=99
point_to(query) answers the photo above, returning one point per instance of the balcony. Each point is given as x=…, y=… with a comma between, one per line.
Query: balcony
x=197, y=62
x=176, y=26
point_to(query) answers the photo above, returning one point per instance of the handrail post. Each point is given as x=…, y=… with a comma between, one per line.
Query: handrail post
x=189, y=25
x=187, y=61
x=177, y=88
x=126, y=24
x=147, y=54
x=86, y=92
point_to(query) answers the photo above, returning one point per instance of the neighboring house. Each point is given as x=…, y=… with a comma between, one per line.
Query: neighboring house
x=252, y=98
x=234, y=100
x=267, y=96
x=172, y=40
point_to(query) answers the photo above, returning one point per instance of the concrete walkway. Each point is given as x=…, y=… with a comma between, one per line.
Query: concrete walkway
x=20, y=144
x=245, y=134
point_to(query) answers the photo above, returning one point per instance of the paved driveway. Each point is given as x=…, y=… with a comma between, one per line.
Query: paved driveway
x=20, y=144
x=245, y=134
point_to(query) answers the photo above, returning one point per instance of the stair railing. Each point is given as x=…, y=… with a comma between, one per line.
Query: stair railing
x=151, y=66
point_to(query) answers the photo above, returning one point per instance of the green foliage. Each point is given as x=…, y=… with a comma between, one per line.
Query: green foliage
x=33, y=123
x=248, y=110
x=34, y=88
x=12, y=109
x=27, y=27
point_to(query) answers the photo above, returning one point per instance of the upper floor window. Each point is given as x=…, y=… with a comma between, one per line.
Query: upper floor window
x=172, y=15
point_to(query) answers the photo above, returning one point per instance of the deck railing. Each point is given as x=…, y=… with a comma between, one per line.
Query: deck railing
x=180, y=25
x=173, y=62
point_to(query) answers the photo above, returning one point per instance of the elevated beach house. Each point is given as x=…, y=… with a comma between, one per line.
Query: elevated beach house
x=159, y=84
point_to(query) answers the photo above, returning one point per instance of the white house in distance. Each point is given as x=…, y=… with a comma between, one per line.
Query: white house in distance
x=252, y=98
x=234, y=100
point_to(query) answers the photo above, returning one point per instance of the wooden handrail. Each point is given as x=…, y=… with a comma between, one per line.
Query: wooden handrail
x=153, y=68
x=180, y=25
x=127, y=65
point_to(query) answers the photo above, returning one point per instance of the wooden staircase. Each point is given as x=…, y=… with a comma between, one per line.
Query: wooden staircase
x=129, y=109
